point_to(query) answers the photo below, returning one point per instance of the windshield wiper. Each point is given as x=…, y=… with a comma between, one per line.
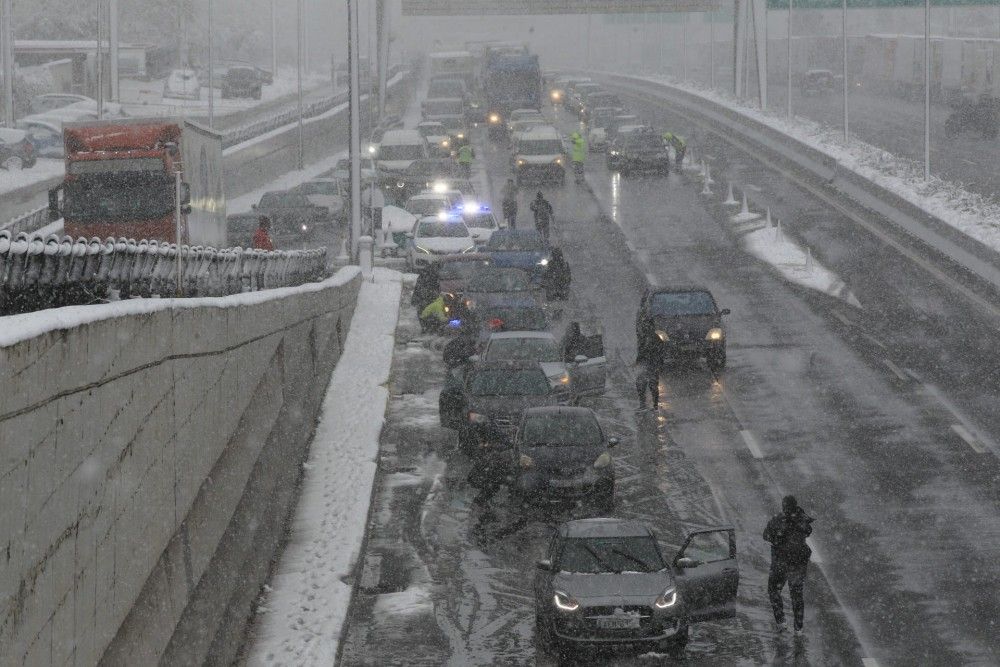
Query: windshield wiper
x=599, y=560
x=634, y=559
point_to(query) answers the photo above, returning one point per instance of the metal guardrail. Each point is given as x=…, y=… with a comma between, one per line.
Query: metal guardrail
x=28, y=222
x=38, y=273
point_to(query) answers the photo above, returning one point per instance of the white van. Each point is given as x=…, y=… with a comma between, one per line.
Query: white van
x=538, y=154
x=399, y=148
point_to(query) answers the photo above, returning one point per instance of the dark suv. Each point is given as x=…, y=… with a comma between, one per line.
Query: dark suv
x=605, y=582
x=242, y=81
x=484, y=402
x=683, y=322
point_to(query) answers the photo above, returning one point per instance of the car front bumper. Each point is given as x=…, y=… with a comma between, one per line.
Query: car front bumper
x=581, y=629
x=541, y=171
x=543, y=488
x=673, y=349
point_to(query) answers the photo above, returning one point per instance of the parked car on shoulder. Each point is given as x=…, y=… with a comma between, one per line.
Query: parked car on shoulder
x=292, y=214
x=242, y=81
x=16, y=150
x=49, y=101
x=182, y=84
x=326, y=192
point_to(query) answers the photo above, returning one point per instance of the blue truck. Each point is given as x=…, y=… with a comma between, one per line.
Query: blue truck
x=510, y=81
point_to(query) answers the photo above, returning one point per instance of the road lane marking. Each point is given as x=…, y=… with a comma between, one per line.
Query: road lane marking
x=751, y=443
x=896, y=370
x=816, y=558
x=873, y=340
x=843, y=318
x=869, y=662
x=970, y=439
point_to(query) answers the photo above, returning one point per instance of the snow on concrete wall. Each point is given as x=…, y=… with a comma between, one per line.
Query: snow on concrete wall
x=147, y=462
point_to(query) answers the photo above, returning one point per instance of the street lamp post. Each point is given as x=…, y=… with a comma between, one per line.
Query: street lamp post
x=99, y=60
x=113, y=50
x=927, y=89
x=211, y=68
x=298, y=64
x=788, y=54
x=844, y=32
x=274, y=39
x=7, y=59
x=354, y=97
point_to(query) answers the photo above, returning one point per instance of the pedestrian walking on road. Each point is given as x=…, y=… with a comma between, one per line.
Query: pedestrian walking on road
x=509, y=195
x=543, y=212
x=557, y=277
x=465, y=156
x=261, y=237
x=787, y=533
x=649, y=360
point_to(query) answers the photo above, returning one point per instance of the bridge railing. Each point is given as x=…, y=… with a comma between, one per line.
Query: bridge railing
x=46, y=272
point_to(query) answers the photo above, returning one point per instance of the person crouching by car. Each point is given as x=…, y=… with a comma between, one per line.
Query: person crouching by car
x=434, y=316
x=261, y=237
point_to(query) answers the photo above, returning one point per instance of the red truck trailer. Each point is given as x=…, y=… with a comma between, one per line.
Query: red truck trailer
x=121, y=181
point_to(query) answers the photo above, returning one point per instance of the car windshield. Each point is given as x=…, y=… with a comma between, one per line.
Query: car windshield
x=595, y=555
x=435, y=130
x=482, y=221
x=682, y=303
x=643, y=140
x=561, y=429
x=442, y=107
x=515, y=319
x=442, y=229
x=283, y=200
x=446, y=88
x=524, y=242
x=499, y=280
x=523, y=349
x=422, y=207
x=400, y=152
x=460, y=270
x=539, y=147
x=318, y=188
x=509, y=382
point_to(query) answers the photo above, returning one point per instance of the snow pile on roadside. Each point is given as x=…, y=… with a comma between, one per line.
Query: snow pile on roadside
x=44, y=169
x=795, y=264
x=286, y=181
x=303, y=614
x=971, y=213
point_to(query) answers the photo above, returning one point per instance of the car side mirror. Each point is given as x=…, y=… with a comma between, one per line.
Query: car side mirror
x=613, y=442
x=579, y=358
x=544, y=565
x=685, y=563
x=725, y=311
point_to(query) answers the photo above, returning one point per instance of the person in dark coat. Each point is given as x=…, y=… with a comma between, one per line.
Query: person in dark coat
x=787, y=533
x=509, y=198
x=543, y=212
x=557, y=277
x=572, y=342
x=427, y=289
x=458, y=350
x=649, y=360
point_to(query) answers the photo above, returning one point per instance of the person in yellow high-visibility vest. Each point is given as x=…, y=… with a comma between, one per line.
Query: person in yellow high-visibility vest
x=677, y=142
x=434, y=316
x=465, y=156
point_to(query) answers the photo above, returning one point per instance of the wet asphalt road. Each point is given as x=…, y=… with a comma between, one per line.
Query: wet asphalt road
x=907, y=529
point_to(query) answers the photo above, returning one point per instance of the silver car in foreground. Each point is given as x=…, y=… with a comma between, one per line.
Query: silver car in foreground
x=605, y=583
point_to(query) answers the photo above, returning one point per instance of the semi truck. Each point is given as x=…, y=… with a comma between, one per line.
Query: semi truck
x=510, y=81
x=121, y=181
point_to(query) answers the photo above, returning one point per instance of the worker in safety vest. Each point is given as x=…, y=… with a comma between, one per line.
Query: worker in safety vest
x=679, y=145
x=433, y=317
x=465, y=159
x=578, y=154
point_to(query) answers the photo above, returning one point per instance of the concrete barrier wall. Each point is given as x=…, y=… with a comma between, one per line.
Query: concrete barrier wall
x=149, y=452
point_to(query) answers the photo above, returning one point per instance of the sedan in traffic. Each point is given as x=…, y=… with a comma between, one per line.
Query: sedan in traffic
x=683, y=322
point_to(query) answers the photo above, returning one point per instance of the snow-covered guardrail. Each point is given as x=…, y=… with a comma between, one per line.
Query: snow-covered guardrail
x=37, y=272
x=861, y=196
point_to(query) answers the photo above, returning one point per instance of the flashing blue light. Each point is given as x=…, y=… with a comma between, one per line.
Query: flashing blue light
x=454, y=324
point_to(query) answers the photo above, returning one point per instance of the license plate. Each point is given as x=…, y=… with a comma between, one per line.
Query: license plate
x=618, y=623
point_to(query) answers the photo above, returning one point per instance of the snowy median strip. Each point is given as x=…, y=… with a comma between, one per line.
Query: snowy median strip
x=302, y=616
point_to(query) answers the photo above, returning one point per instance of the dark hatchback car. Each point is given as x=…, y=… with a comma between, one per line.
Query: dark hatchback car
x=419, y=176
x=484, y=401
x=492, y=285
x=523, y=249
x=605, y=583
x=242, y=81
x=639, y=151
x=684, y=322
x=560, y=454
x=292, y=214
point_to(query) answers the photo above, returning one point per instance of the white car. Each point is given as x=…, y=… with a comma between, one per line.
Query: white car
x=522, y=114
x=538, y=154
x=583, y=376
x=429, y=204
x=436, y=135
x=326, y=192
x=182, y=84
x=480, y=221
x=399, y=148
x=433, y=237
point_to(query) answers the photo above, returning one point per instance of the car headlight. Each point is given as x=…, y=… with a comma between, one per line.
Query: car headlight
x=423, y=250
x=715, y=333
x=400, y=184
x=556, y=94
x=460, y=135
x=544, y=261
x=602, y=461
x=613, y=152
x=565, y=602
x=667, y=599
x=305, y=228
x=476, y=418
x=471, y=248
x=558, y=160
x=662, y=335
x=526, y=462
x=445, y=143
x=520, y=163
x=494, y=118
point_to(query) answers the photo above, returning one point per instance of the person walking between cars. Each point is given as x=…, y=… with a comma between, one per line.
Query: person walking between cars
x=510, y=203
x=649, y=360
x=261, y=237
x=678, y=144
x=542, y=210
x=427, y=288
x=557, y=277
x=787, y=533
x=578, y=155
x=465, y=160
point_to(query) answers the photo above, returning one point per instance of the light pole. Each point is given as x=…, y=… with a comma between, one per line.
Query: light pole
x=844, y=31
x=113, y=43
x=354, y=96
x=927, y=90
x=7, y=59
x=274, y=40
x=211, y=68
x=298, y=67
x=711, y=47
x=99, y=60
x=788, y=53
